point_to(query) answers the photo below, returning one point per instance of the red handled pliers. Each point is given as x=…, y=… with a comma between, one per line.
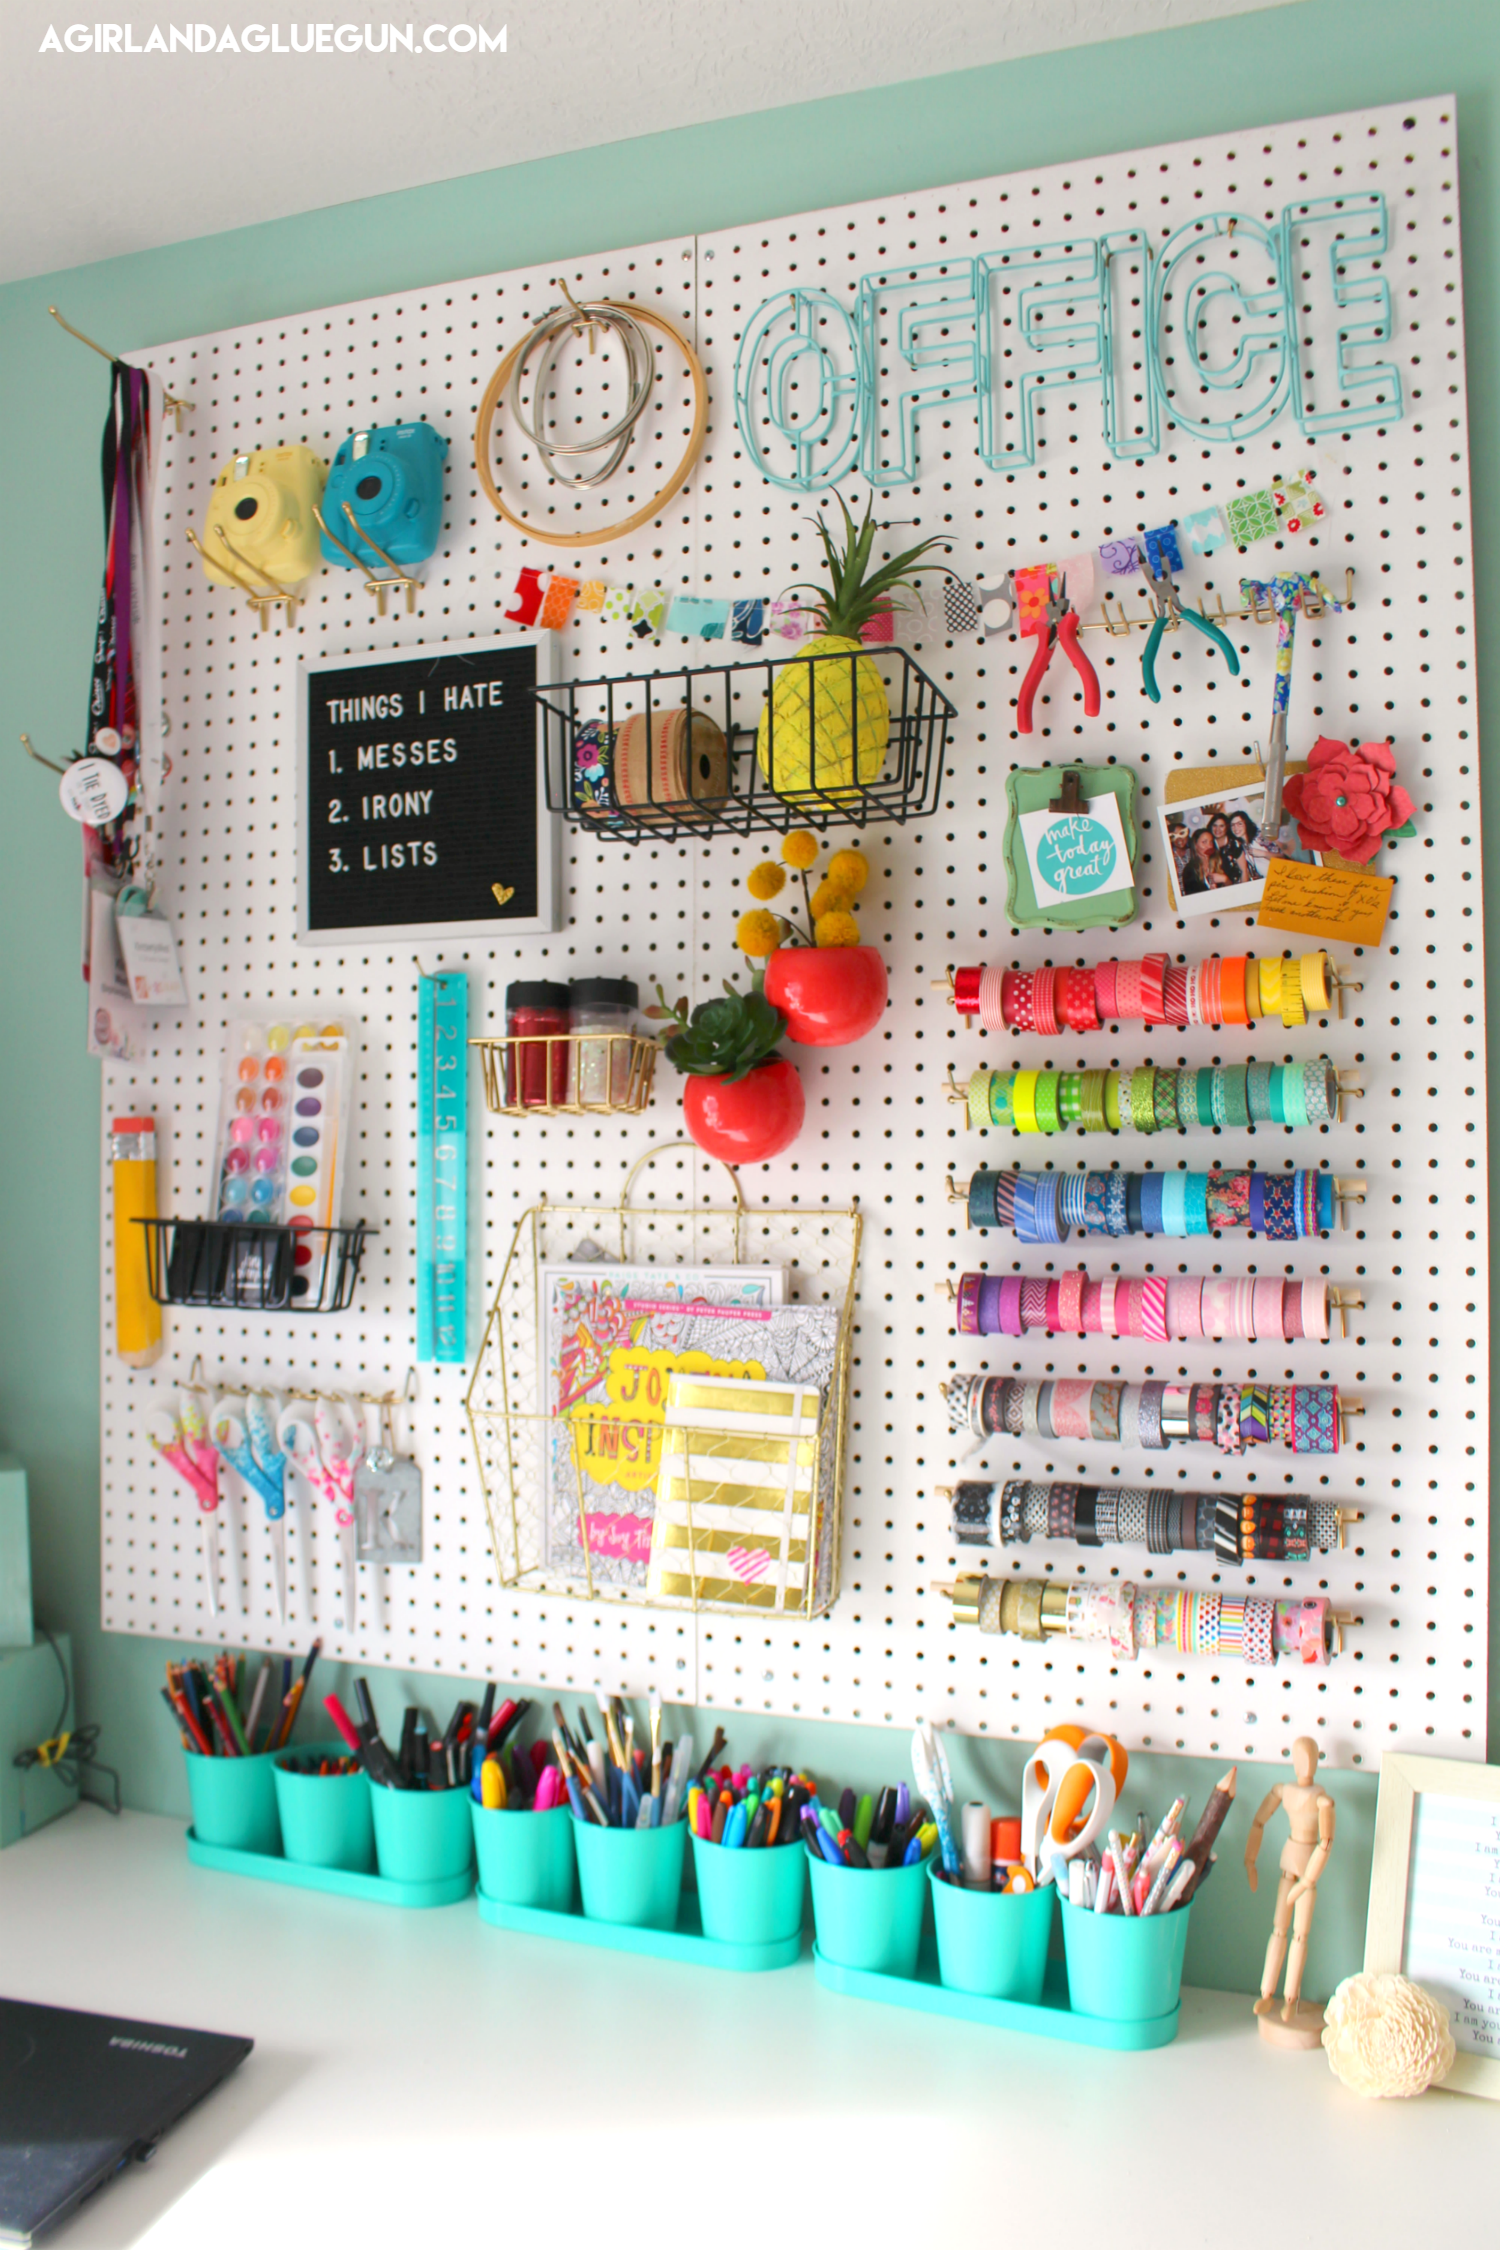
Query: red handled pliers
x=1054, y=621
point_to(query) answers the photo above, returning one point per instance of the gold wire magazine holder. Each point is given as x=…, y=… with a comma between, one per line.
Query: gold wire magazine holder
x=523, y=1447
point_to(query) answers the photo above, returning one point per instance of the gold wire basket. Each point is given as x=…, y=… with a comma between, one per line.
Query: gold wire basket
x=528, y=1454
x=580, y=1074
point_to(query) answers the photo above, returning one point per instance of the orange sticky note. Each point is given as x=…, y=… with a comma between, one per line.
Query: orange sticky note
x=1326, y=902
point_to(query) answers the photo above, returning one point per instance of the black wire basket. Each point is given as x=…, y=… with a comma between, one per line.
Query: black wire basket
x=239, y=1267
x=836, y=740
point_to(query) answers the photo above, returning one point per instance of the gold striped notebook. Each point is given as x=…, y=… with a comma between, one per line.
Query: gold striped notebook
x=737, y=1493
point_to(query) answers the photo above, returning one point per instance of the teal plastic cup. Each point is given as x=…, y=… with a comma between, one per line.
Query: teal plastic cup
x=869, y=1917
x=234, y=1802
x=992, y=1942
x=631, y=1875
x=1126, y=1968
x=422, y=1835
x=525, y=1858
x=325, y=1818
x=750, y=1897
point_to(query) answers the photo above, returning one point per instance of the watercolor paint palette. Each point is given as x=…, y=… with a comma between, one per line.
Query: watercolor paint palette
x=280, y=1150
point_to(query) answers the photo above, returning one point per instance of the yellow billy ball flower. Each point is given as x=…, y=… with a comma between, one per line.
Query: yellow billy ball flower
x=800, y=849
x=764, y=881
x=759, y=933
x=837, y=928
x=829, y=898
x=850, y=870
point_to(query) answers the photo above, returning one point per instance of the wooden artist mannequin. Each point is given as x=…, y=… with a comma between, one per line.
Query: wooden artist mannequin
x=1304, y=1855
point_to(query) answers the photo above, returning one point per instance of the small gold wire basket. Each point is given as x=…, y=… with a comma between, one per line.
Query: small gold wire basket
x=567, y=1073
x=541, y=1467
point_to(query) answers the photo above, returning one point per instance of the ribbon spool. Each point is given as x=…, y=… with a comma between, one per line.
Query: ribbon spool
x=674, y=766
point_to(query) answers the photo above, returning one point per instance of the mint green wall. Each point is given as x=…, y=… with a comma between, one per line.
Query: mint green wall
x=1291, y=62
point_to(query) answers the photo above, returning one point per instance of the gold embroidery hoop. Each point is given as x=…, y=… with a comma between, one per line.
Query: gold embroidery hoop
x=484, y=427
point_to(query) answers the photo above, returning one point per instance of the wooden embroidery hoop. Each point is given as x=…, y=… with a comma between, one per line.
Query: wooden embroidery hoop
x=484, y=426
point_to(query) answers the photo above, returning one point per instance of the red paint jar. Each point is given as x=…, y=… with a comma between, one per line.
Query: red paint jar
x=536, y=1075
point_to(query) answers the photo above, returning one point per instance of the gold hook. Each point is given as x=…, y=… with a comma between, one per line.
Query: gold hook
x=32, y=752
x=379, y=587
x=179, y=406
x=581, y=317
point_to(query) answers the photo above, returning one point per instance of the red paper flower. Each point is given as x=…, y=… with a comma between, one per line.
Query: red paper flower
x=1347, y=798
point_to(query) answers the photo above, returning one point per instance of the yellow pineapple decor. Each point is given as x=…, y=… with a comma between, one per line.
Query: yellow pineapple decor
x=827, y=725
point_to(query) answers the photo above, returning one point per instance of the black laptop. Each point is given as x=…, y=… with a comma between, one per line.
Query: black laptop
x=82, y=2095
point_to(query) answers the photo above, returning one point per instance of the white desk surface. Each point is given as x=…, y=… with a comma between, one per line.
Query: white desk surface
x=418, y=2074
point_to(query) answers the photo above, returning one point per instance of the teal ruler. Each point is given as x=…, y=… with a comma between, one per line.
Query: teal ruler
x=442, y=1167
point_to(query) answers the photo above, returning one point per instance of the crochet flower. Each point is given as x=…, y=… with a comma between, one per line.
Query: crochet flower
x=800, y=849
x=837, y=928
x=850, y=870
x=1347, y=798
x=763, y=882
x=1387, y=2037
x=759, y=933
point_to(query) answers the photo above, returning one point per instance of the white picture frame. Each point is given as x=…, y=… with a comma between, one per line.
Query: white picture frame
x=432, y=930
x=1406, y=1784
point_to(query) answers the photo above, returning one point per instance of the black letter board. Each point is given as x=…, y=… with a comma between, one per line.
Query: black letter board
x=419, y=789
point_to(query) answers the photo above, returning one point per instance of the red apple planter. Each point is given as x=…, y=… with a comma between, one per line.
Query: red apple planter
x=830, y=994
x=746, y=1120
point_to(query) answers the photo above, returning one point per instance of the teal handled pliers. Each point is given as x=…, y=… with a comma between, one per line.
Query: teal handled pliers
x=1167, y=603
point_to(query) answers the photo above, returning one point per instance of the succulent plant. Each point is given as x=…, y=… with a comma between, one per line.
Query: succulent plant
x=724, y=1038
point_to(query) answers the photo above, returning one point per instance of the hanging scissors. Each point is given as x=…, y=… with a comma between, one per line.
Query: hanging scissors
x=254, y=1455
x=325, y=1450
x=180, y=1435
x=1062, y=1776
x=1167, y=603
x=929, y=1765
x=1047, y=605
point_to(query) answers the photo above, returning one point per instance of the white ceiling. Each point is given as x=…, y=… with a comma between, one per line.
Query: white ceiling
x=108, y=153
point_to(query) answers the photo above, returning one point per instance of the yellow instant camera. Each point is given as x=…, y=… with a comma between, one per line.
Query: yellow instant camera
x=260, y=523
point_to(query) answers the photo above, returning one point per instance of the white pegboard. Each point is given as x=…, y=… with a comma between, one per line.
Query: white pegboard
x=879, y=1125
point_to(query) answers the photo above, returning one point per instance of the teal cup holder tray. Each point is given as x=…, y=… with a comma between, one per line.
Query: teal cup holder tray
x=633, y=1902
x=342, y=1882
x=1119, y=1984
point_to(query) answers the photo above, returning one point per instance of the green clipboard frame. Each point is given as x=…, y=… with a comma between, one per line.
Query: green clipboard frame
x=1031, y=789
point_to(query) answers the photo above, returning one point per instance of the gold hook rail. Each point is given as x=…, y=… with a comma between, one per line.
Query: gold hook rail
x=1344, y=1191
x=1118, y=621
x=178, y=406
x=236, y=1386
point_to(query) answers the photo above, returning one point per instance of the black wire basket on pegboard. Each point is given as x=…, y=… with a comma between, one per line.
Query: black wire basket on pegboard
x=841, y=739
x=234, y=1266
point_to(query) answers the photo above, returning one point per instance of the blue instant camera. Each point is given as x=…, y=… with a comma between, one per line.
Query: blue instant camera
x=391, y=480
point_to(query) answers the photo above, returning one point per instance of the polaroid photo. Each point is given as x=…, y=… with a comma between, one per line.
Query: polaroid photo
x=1217, y=851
